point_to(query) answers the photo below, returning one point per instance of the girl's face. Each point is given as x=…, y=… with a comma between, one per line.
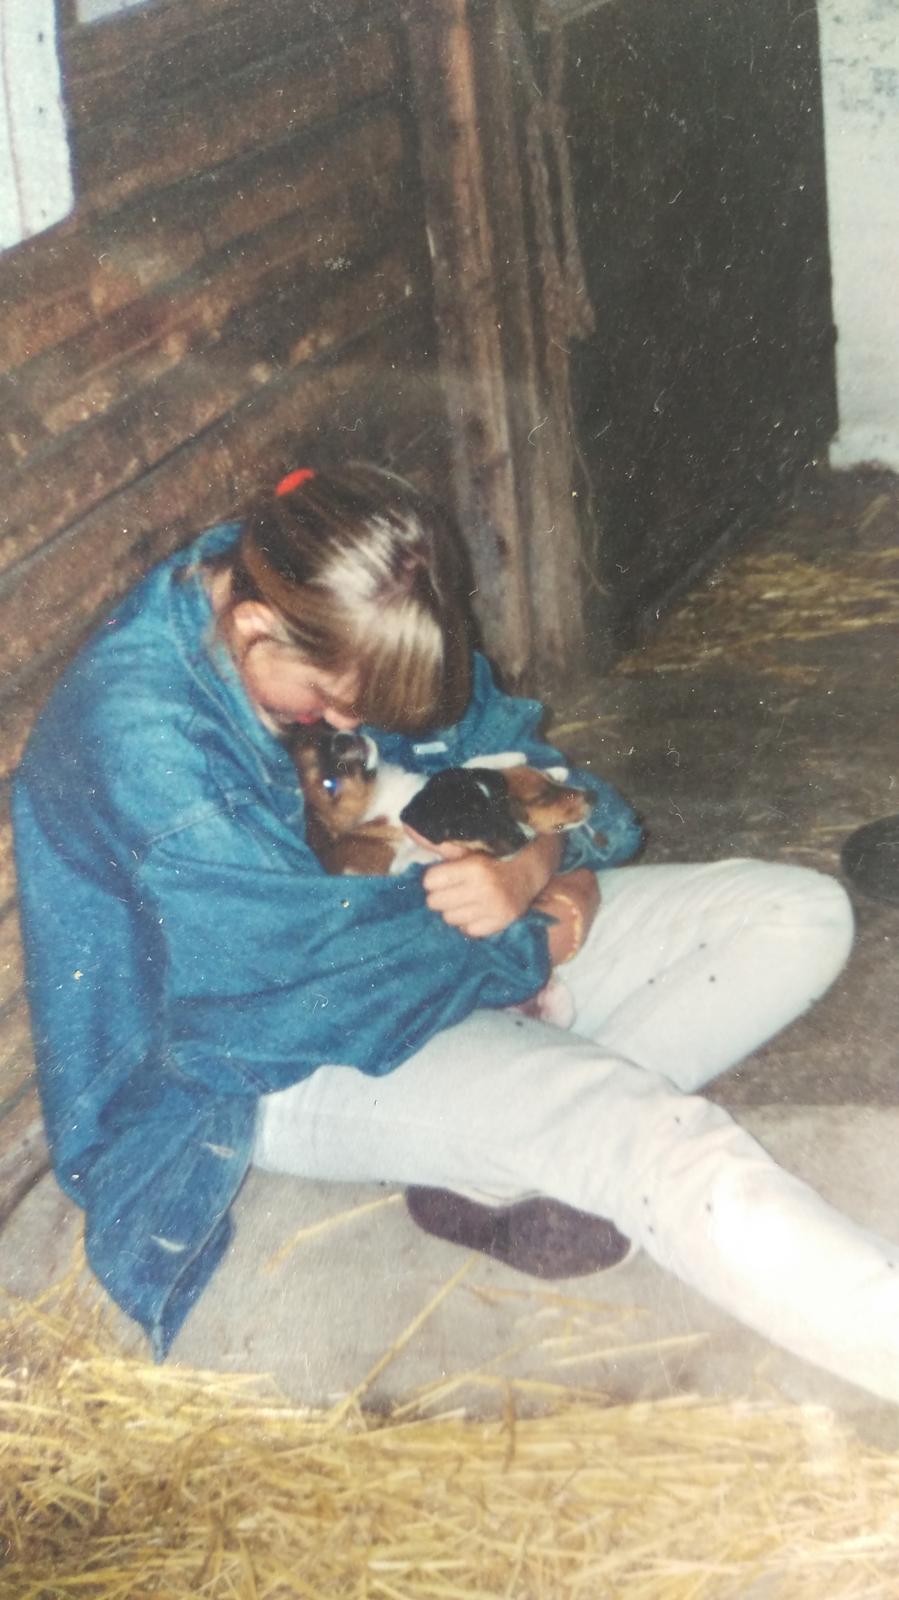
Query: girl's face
x=286, y=689
x=282, y=685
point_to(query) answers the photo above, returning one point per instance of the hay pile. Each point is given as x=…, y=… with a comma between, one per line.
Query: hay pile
x=758, y=603
x=122, y=1480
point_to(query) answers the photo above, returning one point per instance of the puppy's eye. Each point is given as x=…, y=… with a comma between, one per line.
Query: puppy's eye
x=331, y=785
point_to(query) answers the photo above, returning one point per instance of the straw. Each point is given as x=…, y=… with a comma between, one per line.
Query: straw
x=337, y=1220
x=120, y=1480
x=746, y=613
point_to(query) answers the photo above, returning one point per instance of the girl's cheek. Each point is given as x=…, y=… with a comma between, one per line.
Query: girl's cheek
x=277, y=692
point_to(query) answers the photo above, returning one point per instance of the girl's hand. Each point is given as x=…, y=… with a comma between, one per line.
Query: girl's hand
x=481, y=894
x=572, y=901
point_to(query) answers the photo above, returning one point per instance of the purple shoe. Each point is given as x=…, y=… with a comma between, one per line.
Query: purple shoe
x=539, y=1236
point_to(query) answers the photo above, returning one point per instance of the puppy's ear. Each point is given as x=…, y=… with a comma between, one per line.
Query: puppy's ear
x=525, y=786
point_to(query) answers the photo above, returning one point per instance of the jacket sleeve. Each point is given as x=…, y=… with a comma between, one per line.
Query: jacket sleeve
x=273, y=968
x=497, y=721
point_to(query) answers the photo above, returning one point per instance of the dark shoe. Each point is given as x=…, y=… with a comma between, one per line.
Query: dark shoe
x=870, y=859
x=539, y=1236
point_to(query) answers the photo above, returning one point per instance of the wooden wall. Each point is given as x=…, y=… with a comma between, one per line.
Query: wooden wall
x=246, y=259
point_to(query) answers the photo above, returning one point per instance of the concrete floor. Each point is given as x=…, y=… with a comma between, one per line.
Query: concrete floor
x=759, y=720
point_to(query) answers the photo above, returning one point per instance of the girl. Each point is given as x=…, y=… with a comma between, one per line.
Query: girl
x=204, y=996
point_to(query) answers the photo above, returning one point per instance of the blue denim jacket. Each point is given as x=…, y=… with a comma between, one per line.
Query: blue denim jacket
x=185, y=953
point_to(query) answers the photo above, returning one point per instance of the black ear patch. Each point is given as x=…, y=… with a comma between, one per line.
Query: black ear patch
x=466, y=803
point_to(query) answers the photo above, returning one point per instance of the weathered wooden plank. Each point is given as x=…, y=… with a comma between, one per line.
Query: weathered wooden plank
x=158, y=145
x=321, y=167
x=24, y=1157
x=19, y=425
x=285, y=330
x=16, y=1053
x=296, y=321
x=169, y=26
x=150, y=27
x=45, y=284
x=23, y=1151
x=20, y=703
x=12, y=969
x=161, y=50
x=12, y=973
x=51, y=292
x=51, y=288
x=87, y=375
x=74, y=474
x=460, y=230
x=57, y=596
x=7, y=867
x=535, y=351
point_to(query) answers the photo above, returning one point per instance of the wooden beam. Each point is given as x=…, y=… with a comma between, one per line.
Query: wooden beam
x=536, y=364
x=470, y=351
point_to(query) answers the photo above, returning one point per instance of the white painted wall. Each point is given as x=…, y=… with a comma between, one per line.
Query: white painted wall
x=35, y=170
x=860, y=64
x=91, y=10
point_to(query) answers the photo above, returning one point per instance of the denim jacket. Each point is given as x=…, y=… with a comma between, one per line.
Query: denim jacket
x=185, y=952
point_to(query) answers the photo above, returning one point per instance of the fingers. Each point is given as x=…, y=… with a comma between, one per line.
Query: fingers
x=474, y=917
x=450, y=851
x=457, y=871
x=475, y=895
x=455, y=884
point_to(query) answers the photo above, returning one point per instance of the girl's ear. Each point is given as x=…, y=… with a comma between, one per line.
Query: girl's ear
x=253, y=619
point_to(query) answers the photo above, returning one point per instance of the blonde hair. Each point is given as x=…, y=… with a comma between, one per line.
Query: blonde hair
x=366, y=576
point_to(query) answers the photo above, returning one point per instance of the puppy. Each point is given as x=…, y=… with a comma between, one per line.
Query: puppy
x=356, y=808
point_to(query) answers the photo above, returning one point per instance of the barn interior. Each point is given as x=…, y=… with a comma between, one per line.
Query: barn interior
x=574, y=265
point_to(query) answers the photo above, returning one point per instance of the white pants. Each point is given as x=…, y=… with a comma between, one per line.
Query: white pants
x=687, y=969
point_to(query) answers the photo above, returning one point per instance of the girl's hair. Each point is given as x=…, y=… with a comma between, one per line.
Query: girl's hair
x=367, y=575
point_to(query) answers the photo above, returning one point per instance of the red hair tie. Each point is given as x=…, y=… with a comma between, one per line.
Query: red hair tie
x=293, y=481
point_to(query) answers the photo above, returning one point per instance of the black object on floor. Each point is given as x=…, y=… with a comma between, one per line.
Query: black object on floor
x=538, y=1236
x=870, y=859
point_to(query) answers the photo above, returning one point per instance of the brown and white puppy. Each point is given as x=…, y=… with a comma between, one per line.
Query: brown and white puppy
x=346, y=825
x=356, y=807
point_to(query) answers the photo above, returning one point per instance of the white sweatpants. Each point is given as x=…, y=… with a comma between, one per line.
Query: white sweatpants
x=687, y=969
